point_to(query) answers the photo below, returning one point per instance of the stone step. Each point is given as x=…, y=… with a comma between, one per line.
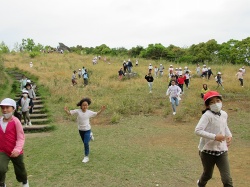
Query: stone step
x=38, y=106
x=38, y=111
x=36, y=128
x=38, y=116
x=38, y=121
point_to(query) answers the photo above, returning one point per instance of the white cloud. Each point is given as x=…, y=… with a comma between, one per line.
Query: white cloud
x=126, y=23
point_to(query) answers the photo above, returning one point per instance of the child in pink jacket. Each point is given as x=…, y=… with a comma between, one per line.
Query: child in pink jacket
x=11, y=143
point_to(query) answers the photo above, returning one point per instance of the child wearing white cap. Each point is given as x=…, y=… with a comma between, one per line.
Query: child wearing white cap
x=12, y=141
x=239, y=75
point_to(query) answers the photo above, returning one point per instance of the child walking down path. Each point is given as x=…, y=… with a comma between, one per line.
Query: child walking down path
x=215, y=139
x=83, y=122
x=174, y=92
x=11, y=143
x=218, y=79
x=25, y=103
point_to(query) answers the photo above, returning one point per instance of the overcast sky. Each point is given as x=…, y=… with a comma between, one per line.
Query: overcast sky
x=123, y=23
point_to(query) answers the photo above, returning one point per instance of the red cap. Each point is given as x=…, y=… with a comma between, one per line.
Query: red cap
x=211, y=94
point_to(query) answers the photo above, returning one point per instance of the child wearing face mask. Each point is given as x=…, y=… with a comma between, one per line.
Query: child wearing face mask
x=11, y=143
x=83, y=122
x=215, y=140
x=25, y=103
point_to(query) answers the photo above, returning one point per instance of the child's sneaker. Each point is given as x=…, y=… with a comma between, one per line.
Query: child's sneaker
x=25, y=124
x=30, y=124
x=85, y=159
x=92, y=136
x=25, y=185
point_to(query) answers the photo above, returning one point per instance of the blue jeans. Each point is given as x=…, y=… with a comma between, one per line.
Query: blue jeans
x=85, y=135
x=174, y=102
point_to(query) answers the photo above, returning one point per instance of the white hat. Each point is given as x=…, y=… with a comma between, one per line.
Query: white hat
x=160, y=64
x=79, y=69
x=28, y=81
x=219, y=73
x=208, y=68
x=171, y=65
x=204, y=65
x=25, y=91
x=8, y=102
x=240, y=69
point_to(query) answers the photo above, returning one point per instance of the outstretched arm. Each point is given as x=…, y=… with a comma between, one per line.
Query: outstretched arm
x=102, y=109
x=67, y=110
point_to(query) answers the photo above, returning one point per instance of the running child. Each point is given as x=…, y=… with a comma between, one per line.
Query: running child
x=215, y=139
x=239, y=75
x=218, y=79
x=174, y=92
x=83, y=122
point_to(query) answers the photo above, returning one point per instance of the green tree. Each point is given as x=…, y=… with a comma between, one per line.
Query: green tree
x=27, y=44
x=4, y=48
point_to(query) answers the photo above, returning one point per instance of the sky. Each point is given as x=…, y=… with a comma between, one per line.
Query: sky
x=123, y=23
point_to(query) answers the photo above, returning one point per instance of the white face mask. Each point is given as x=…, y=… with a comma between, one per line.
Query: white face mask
x=7, y=116
x=25, y=95
x=216, y=107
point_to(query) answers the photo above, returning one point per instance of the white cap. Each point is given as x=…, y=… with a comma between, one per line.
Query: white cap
x=171, y=65
x=25, y=91
x=219, y=73
x=8, y=102
x=28, y=81
x=209, y=68
x=240, y=69
x=204, y=65
x=160, y=64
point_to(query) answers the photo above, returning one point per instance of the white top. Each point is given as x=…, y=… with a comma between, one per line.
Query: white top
x=25, y=104
x=208, y=127
x=83, y=118
x=174, y=91
x=3, y=124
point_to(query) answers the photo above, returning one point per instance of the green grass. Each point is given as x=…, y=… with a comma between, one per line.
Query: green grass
x=137, y=140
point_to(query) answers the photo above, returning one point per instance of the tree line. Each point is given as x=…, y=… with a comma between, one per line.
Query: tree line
x=232, y=51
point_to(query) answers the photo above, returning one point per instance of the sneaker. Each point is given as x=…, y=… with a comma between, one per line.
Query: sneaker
x=30, y=123
x=26, y=185
x=198, y=183
x=92, y=136
x=174, y=113
x=25, y=124
x=85, y=159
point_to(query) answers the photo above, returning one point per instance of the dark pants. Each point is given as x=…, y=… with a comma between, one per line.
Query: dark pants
x=241, y=82
x=85, y=135
x=19, y=167
x=208, y=162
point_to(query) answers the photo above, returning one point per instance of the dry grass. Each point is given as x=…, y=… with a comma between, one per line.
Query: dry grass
x=147, y=146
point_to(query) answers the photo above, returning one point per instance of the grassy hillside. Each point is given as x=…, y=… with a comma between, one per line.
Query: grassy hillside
x=138, y=141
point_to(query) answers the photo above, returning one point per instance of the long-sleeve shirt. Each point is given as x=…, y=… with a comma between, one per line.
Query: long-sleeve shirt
x=173, y=91
x=11, y=136
x=208, y=127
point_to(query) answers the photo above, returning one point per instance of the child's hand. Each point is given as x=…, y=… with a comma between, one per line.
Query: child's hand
x=14, y=153
x=229, y=141
x=220, y=137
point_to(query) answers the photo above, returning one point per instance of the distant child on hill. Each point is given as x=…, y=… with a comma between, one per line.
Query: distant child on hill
x=215, y=138
x=239, y=75
x=121, y=73
x=23, y=82
x=83, y=116
x=79, y=73
x=11, y=143
x=86, y=78
x=150, y=80
x=204, y=90
x=73, y=79
x=209, y=73
x=218, y=79
x=181, y=80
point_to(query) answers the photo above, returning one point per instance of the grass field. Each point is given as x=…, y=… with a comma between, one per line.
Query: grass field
x=137, y=140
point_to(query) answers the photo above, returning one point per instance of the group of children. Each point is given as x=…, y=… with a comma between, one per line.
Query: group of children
x=82, y=73
x=25, y=102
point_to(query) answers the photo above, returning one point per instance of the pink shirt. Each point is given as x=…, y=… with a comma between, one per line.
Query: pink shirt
x=13, y=137
x=239, y=75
